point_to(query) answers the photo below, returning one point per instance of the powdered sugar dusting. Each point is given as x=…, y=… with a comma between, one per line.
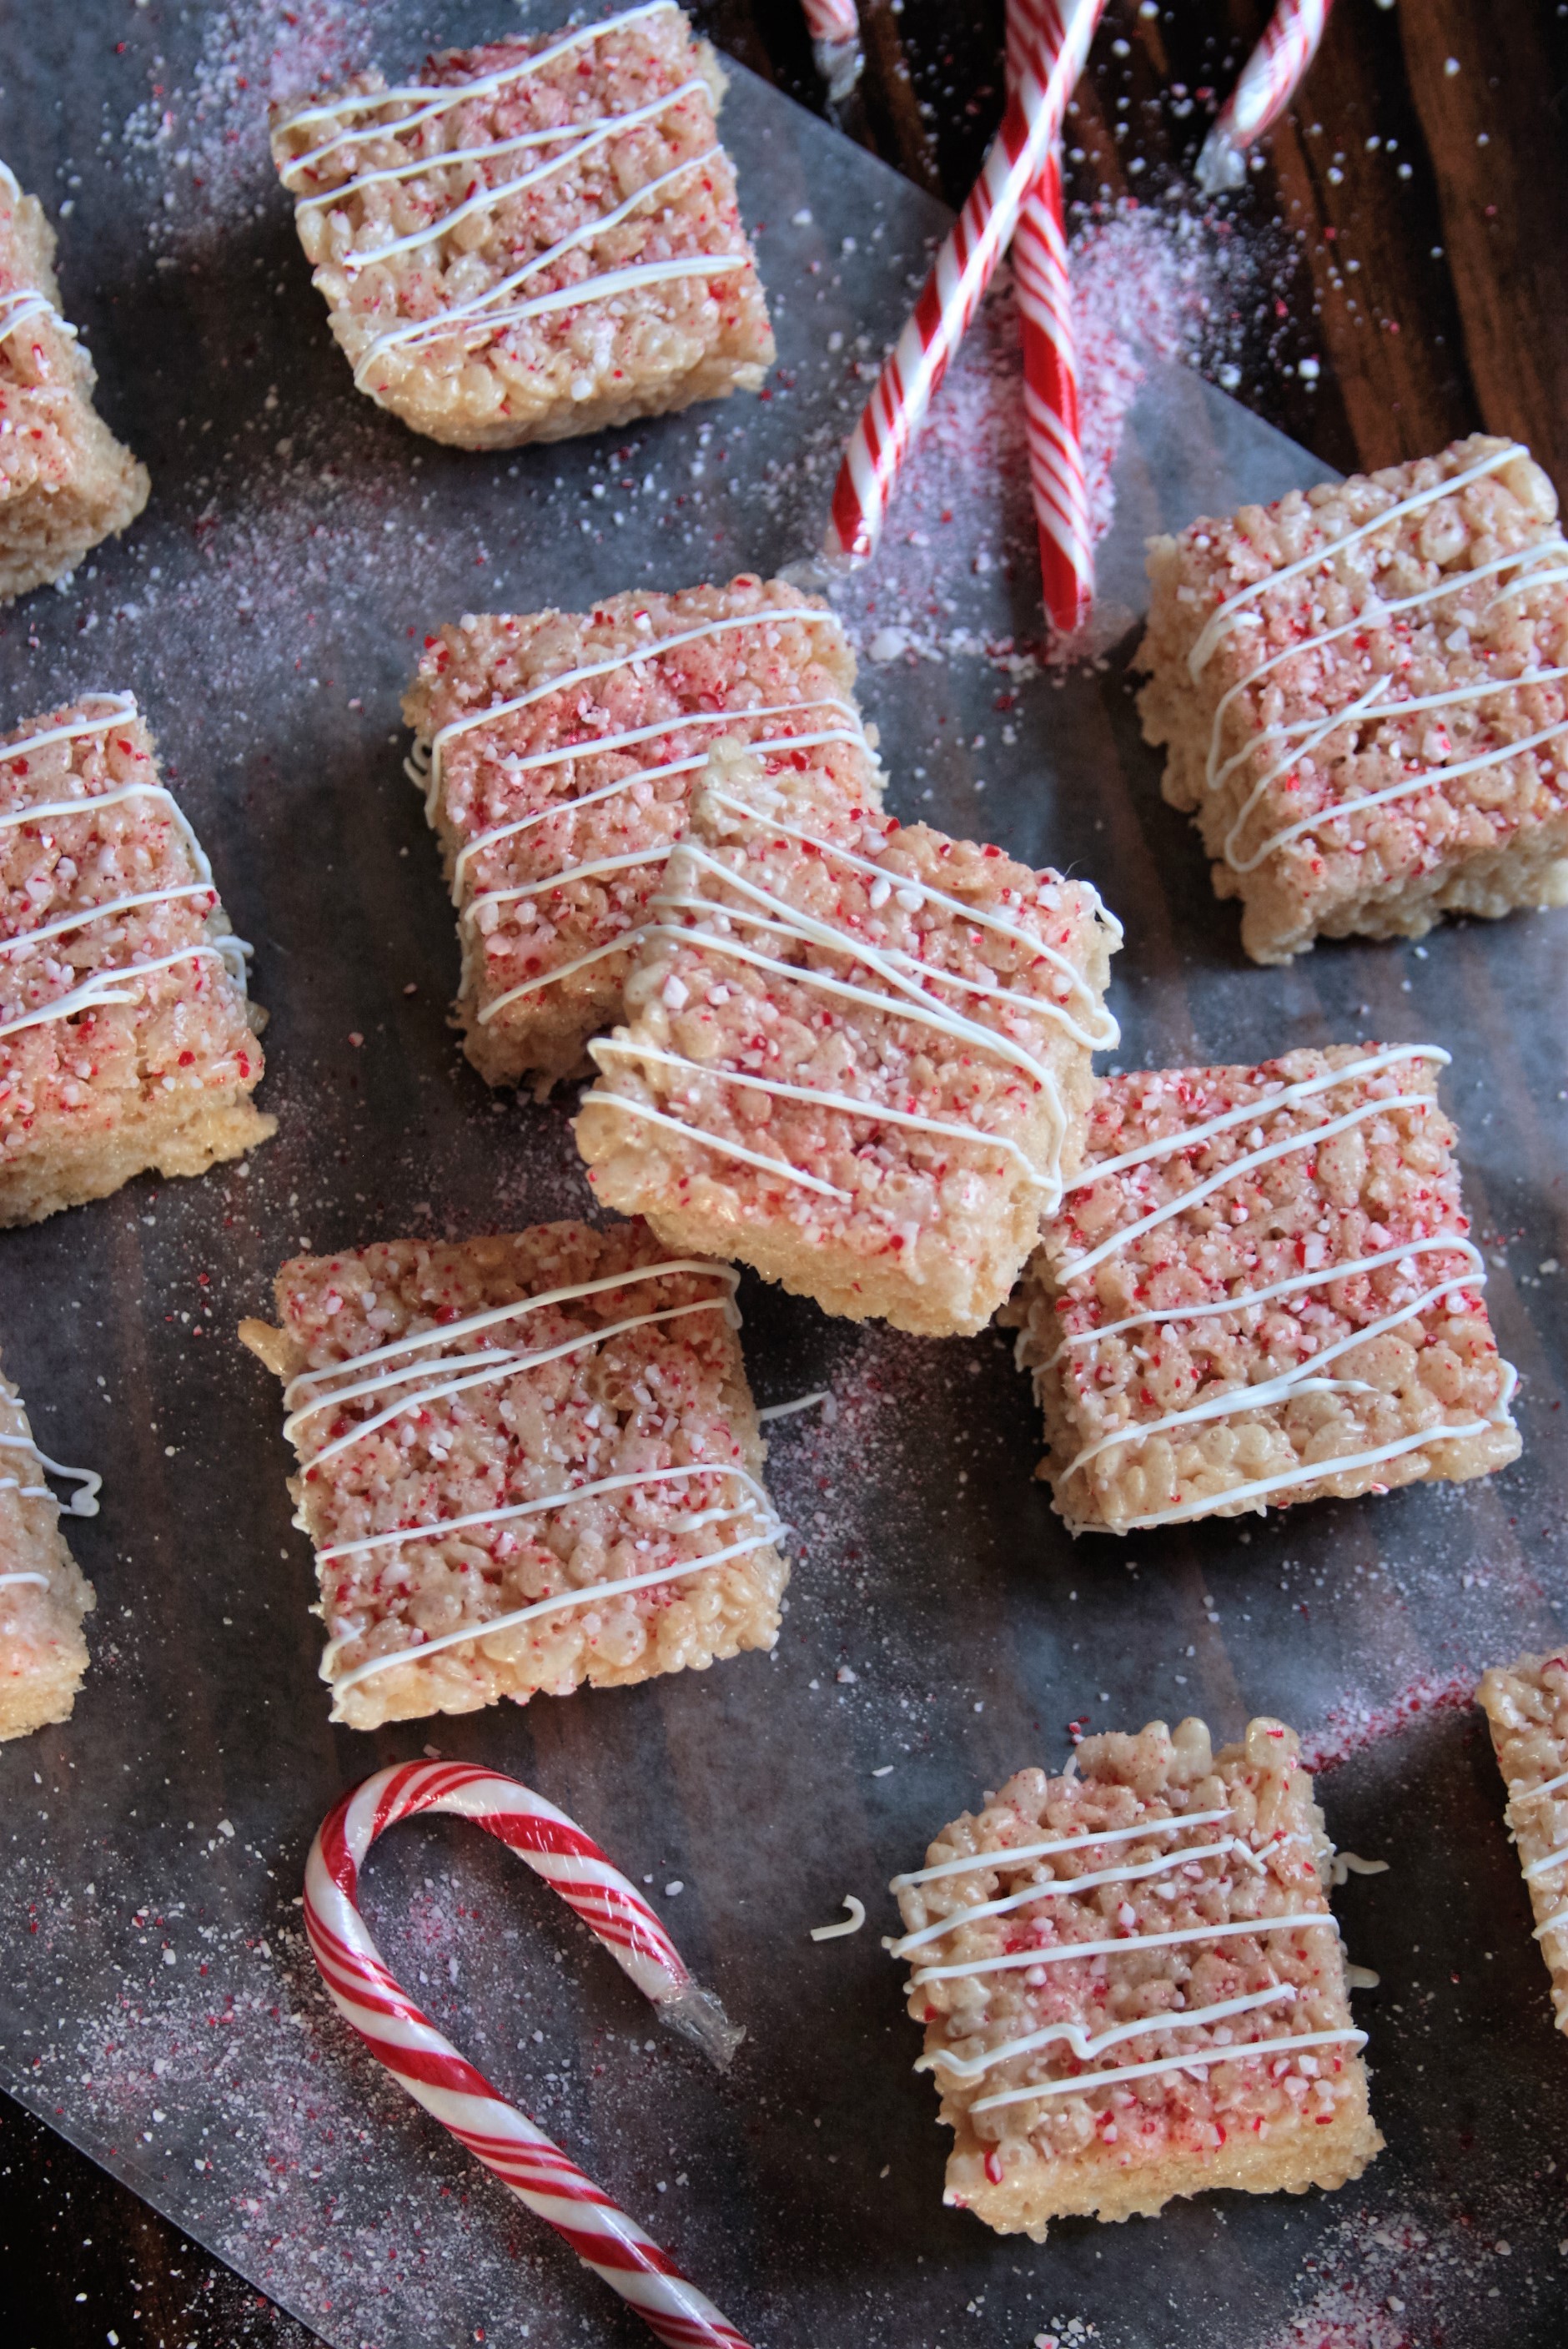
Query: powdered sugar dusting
x=1403, y=2279
x=1165, y=283
x=206, y=137
x=1356, y=1722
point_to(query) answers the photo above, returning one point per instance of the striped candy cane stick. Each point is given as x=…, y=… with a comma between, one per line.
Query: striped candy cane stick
x=963, y=270
x=835, y=29
x=1050, y=364
x=428, y=2065
x=1268, y=83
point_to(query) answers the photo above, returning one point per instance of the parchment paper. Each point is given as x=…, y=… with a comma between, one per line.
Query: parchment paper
x=156, y=2005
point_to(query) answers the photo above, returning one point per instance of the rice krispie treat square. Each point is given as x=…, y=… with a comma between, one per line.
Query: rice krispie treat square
x=65, y=481
x=1131, y=1985
x=557, y=752
x=1526, y=1706
x=525, y=1463
x=126, y=1041
x=43, y=1594
x=856, y=1053
x=1361, y=692
x=535, y=238
x=1261, y=1291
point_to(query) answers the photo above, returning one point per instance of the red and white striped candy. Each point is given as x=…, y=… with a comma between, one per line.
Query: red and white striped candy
x=428, y=2067
x=1051, y=419
x=1268, y=83
x=835, y=29
x=963, y=270
x=831, y=20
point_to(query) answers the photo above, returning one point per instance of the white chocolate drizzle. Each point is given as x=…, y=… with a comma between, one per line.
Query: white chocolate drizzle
x=83, y=1502
x=1305, y=1377
x=1533, y=1794
x=433, y=100
x=115, y=982
x=1062, y=1888
x=851, y=1924
x=581, y=140
x=1373, y=613
x=811, y=615
x=1083, y=2046
x=1235, y=607
x=1086, y=2048
x=653, y=854
x=475, y=320
x=1199, y=2060
x=905, y=995
x=596, y=746
x=447, y=1374
x=25, y=307
x=1057, y=1953
x=1303, y=737
x=493, y=310
x=1015, y=1854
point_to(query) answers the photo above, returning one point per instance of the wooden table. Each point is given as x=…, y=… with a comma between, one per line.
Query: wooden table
x=1417, y=205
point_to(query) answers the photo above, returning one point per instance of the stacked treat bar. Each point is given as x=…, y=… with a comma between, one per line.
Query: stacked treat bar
x=855, y=1055
x=558, y=755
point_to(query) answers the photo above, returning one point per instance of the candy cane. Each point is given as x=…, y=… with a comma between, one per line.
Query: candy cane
x=1268, y=83
x=963, y=270
x=430, y=2067
x=835, y=29
x=1051, y=420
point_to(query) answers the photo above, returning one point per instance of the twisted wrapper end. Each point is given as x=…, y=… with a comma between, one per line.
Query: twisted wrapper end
x=698, y=2015
x=1221, y=165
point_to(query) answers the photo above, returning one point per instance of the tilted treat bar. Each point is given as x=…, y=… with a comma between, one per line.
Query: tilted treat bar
x=65, y=481
x=536, y=238
x=856, y=1056
x=43, y=1594
x=1131, y=1985
x=1526, y=1706
x=557, y=752
x=1261, y=1291
x=526, y=1462
x=126, y=1037
x=1361, y=691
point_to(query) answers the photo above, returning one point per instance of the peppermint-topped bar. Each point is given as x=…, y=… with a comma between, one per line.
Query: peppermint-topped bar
x=526, y=1462
x=1261, y=1290
x=65, y=481
x=856, y=1053
x=43, y=1593
x=1526, y=1706
x=1132, y=1984
x=557, y=752
x=126, y=1041
x=535, y=238
x=1361, y=692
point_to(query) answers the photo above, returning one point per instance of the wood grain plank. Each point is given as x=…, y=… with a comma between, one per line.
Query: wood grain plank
x=1495, y=130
